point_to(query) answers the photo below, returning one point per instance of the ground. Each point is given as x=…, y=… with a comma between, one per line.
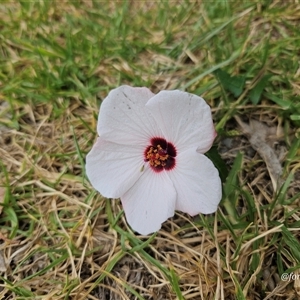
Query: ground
x=59, y=238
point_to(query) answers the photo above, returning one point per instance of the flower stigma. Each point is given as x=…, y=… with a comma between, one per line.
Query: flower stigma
x=160, y=155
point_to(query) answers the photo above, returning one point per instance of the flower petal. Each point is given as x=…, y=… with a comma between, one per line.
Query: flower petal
x=123, y=118
x=197, y=183
x=113, y=169
x=185, y=119
x=150, y=202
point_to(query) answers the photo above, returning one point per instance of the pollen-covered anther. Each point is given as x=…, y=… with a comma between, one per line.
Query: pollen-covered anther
x=160, y=155
x=156, y=156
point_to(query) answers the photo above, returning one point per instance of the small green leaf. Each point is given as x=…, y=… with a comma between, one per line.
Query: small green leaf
x=255, y=259
x=292, y=243
x=232, y=180
x=295, y=117
x=12, y=216
x=175, y=283
x=216, y=158
x=231, y=187
x=283, y=103
x=251, y=208
x=234, y=84
x=256, y=92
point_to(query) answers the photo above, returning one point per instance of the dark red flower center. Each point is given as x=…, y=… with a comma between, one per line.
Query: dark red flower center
x=160, y=155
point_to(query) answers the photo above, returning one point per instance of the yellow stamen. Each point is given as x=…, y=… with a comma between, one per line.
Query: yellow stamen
x=157, y=156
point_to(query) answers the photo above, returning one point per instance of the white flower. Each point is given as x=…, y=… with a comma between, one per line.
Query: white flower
x=150, y=154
